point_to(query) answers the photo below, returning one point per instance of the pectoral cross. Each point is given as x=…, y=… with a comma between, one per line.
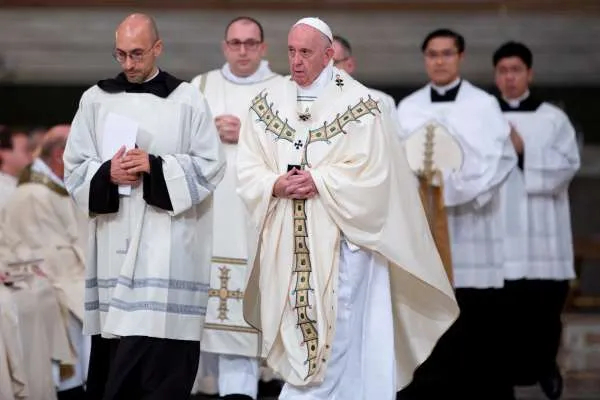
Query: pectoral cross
x=305, y=116
x=339, y=81
x=126, y=248
x=224, y=294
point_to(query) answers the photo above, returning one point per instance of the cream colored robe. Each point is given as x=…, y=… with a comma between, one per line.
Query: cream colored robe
x=42, y=223
x=41, y=338
x=367, y=194
x=8, y=184
x=13, y=379
x=225, y=331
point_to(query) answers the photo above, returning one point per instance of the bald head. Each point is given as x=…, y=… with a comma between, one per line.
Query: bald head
x=55, y=138
x=53, y=147
x=137, y=46
x=139, y=24
x=309, y=52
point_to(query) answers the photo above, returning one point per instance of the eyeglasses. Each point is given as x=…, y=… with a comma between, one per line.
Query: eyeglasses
x=341, y=60
x=136, y=55
x=250, y=44
x=444, y=54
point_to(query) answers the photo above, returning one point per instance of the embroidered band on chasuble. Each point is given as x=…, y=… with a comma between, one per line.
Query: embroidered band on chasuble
x=30, y=176
x=282, y=129
x=302, y=264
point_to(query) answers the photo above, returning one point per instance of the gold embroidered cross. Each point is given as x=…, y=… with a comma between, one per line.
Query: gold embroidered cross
x=224, y=294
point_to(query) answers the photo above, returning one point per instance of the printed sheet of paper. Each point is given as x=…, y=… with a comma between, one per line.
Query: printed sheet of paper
x=118, y=131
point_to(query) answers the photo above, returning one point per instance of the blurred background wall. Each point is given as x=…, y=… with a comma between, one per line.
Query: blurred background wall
x=51, y=50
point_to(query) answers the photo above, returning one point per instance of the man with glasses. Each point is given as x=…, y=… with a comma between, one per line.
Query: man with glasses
x=344, y=60
x=465, y=362
x=536, y=291
x=142, y=160
x=229, y=91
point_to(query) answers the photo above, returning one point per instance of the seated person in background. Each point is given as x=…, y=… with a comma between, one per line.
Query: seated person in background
x=41, y=221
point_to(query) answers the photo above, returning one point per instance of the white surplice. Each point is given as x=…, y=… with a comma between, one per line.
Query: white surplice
x=472, y=194
x=225, y=330
x=148, y=269
x=539, y=193
x=313, y=261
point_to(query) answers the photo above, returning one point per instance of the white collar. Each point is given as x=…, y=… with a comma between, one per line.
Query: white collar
x=153, y=75
x=316, y=88
x=443, y=89
x=515, y=103
x=259, y=75
x=41, y=167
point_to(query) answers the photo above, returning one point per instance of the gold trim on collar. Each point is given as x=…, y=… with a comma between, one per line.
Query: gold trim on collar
x=30, y=176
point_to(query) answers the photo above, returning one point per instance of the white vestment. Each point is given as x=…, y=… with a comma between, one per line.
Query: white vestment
x=42, y=222
x=225, y=330
x=8, y=184
x=471, y=194
x=35, y=337
x=147, y=269
x=296, y=295
x=539, y=193
x=387, y=102
x=13, y=377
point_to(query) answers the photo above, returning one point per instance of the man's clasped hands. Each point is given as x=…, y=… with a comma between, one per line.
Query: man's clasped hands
x=126, y=167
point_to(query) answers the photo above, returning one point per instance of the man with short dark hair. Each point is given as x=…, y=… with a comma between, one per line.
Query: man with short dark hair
x=536, y=290
x=229, y=92
x=14, y=157
x=465, y=362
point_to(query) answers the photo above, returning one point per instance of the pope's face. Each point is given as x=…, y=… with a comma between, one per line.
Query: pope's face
x=309, y=52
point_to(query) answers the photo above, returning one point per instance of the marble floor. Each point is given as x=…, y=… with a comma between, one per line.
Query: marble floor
x=579, y=360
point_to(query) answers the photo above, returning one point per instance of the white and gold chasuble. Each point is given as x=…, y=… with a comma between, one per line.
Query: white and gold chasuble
x=366, y=197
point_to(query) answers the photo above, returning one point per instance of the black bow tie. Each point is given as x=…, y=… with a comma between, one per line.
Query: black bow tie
x=162, y=85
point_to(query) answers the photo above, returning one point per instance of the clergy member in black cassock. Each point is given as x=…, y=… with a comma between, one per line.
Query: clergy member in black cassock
x=466, y=362
x=540, y=226
x=150, y=205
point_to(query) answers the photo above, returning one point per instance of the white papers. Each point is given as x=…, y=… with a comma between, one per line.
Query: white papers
x=118, y=131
